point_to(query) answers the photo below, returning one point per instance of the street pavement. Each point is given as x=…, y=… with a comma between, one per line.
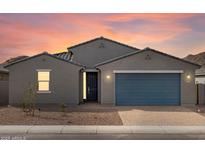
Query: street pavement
x=96, y=129
x=103, y=137
x=16, y=132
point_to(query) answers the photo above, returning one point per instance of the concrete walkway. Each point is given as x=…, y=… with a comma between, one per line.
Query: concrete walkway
x=60, y=129
x=162, y=116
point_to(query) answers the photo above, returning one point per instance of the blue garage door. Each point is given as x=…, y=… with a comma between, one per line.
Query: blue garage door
x=147, y=89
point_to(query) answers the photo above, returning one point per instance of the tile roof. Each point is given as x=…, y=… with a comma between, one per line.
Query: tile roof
x=64, y=55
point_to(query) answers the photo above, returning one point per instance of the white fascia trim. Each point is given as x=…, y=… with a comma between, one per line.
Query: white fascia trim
x=43, y=70
x=148, y=71
x=43, y=92
x=91, y=70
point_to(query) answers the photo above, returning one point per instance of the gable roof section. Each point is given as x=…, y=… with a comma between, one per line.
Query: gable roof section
x=101, y=38
x=44, y=53
x=143, y=50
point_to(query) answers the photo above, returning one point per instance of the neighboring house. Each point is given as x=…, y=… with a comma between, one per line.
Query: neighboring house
x=4, y=85
x=107, y=72
x=200, y=85
x=13, y=59
x=200, y=75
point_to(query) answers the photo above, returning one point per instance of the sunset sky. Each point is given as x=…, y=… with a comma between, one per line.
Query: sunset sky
x=29, y=34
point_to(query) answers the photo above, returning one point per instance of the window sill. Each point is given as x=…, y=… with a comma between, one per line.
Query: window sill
x=43, y=92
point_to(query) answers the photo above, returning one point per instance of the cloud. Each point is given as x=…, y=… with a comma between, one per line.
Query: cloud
x=29, y=34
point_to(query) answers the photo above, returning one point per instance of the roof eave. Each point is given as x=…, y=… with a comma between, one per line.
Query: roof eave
x=143, y=50
x=147, y=48
x=44, y=53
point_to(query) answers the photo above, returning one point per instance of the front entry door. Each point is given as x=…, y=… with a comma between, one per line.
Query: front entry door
x=92, y=86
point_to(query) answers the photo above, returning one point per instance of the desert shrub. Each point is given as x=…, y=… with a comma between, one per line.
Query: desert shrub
x=23, y=105
x=29, y=99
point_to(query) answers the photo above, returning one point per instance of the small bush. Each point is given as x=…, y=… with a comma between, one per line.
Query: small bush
x=29, y=98
x=23, y=106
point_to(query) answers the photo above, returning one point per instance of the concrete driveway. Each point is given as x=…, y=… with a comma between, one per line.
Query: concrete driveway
x=157, y=115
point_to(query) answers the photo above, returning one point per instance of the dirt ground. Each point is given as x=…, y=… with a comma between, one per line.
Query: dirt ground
x=91, y=114
x=15, y=116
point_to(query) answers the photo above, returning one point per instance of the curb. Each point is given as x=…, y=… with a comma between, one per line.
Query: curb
x=65, y=129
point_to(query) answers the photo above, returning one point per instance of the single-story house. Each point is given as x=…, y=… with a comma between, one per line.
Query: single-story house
x=107, y=72
x=4, y=85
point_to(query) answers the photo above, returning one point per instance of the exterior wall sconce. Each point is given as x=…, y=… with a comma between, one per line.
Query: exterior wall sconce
x=188, y=77
x=108, y=77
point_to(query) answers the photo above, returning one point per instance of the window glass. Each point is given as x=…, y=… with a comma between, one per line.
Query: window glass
x=43, y=76
x=43, y=86
x=43, y=81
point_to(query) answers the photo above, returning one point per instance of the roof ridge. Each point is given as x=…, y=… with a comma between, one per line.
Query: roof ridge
x=85, y=42
x=25, y=59
x=101, y=37
x=44, y=53
x=120, y=43
x=148, y=48
x=140, y=51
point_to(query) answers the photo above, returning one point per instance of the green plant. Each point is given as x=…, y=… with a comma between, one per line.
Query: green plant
x=29, y=99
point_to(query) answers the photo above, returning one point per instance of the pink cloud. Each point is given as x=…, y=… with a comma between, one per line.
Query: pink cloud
x=28, y=34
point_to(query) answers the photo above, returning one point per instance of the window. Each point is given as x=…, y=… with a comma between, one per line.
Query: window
x=3, y=77
x=43, y=81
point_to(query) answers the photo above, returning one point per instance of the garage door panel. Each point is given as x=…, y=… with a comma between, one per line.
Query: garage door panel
x=147, y=89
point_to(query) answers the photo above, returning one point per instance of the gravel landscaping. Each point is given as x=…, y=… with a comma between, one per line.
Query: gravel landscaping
x=15, y=116
x=92, y=114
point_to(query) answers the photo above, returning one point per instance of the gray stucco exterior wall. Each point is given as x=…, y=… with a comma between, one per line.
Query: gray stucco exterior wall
x=64, y=80
x=4, y=91
x=98, y=51
x=156, y=62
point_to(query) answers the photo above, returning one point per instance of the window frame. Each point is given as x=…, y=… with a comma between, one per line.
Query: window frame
x=44, y=91
x=4, y=77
